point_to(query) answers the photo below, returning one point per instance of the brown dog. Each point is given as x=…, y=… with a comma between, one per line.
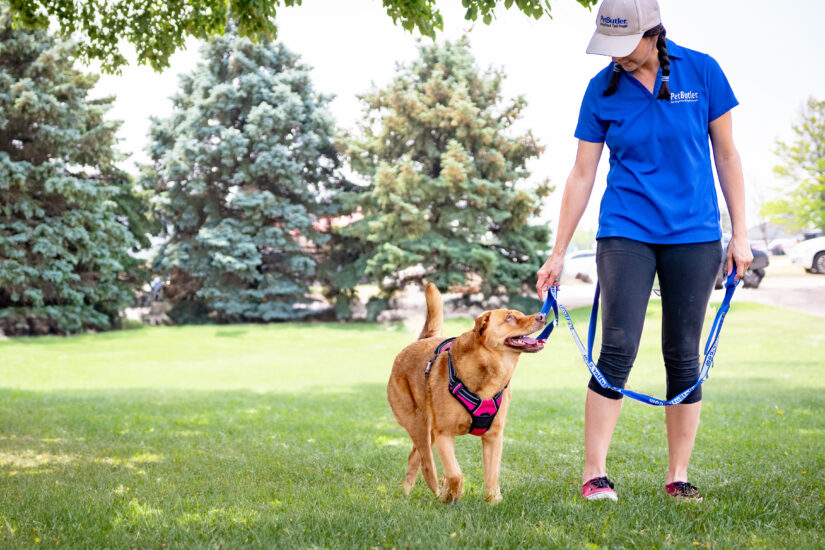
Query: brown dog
x=484, y=359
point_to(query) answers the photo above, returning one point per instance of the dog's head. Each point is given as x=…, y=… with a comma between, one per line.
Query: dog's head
x=508, y=330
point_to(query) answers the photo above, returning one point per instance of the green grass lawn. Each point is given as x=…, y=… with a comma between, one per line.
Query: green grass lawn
x=280, y=436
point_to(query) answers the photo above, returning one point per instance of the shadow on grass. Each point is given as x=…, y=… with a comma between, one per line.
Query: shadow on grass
x=318, y=468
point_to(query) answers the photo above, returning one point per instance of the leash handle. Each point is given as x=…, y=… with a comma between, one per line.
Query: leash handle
x=710, y=347
x=550, y=302
x=730, y=285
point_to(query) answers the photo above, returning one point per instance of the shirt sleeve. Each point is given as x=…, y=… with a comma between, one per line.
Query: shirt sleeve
x=590, y=127
x=721, y=98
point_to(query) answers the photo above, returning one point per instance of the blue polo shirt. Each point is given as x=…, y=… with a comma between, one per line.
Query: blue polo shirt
x=660, y=186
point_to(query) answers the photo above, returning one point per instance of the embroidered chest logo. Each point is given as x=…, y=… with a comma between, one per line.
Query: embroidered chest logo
x=684, y=97
x=617, y=22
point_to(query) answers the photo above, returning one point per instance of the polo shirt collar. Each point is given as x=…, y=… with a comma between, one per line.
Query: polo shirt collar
x=674, y=50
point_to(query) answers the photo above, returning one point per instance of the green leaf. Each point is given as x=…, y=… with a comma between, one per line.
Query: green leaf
x=158, y=29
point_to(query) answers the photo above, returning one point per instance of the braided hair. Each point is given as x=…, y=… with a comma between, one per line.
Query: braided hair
x=614, y=80
x=664, y=62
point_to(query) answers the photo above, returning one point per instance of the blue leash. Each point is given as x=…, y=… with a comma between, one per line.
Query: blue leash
x=587, y=354
x=550, y=301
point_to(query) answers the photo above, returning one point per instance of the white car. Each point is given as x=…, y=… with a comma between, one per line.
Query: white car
x=810, y=254
x=580, y=265
x=781, y=246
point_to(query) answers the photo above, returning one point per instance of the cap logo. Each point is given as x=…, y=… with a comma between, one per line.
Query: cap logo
x=616, y=22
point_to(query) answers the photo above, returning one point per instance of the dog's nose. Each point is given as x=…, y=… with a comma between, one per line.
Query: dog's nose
x=541, y=317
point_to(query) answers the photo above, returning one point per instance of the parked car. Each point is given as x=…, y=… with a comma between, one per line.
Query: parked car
x=580, y=265
x=781, y=246
x=755, y=273
x=810, y=254
x=759, y=245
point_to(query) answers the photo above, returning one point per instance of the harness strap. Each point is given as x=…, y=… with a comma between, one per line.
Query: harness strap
x=482, y=412
x=587, y=354
x=445, y=345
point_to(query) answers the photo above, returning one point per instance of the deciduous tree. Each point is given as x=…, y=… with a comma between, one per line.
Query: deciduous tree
x=157, y=28
x=802, y=166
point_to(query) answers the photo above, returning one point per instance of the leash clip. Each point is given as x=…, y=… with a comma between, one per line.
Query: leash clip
x=429, y=365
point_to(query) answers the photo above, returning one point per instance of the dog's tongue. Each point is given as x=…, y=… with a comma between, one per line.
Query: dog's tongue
x=529, y=341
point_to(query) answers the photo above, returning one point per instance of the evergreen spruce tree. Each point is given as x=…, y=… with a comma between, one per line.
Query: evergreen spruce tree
x=64, y=205
x=245, y=172
x=447, y=181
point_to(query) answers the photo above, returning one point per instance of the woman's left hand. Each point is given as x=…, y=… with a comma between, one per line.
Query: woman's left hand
x=739, y=252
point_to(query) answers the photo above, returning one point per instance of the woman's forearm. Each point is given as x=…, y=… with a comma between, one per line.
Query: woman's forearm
x=732, y=182
x=576, y=195
x=573, y=203
x=729, y=169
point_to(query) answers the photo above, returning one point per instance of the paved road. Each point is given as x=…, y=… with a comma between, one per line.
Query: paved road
x=784, y=286
x=805, y=293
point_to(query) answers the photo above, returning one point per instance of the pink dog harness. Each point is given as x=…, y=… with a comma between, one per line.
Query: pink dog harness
x=483, y=412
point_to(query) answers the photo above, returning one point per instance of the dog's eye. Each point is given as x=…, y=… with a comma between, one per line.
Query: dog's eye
x=510, y=318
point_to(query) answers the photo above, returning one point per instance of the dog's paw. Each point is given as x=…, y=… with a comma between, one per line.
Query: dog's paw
x=494, y=496
x=407, y=486
x=450, y=491
x=443, y=493
x=446, y=496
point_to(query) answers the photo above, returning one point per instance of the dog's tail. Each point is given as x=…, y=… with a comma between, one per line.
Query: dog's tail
x=435, y=313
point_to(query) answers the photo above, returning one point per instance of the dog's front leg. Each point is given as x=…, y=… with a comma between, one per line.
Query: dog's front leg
x=491, y=445
x=453, y=486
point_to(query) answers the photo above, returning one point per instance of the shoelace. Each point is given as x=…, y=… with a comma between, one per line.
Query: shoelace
x=601, y=483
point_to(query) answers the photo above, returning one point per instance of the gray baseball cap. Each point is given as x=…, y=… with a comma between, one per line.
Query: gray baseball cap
x=620, y=25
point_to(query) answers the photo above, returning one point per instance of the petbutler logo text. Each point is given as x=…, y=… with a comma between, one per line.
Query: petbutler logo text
x=684, y=97
x=615, y=22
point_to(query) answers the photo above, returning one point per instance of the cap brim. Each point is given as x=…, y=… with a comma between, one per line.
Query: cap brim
x=613, y=46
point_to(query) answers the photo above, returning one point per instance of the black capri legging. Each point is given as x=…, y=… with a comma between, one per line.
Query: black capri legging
x=626, y=270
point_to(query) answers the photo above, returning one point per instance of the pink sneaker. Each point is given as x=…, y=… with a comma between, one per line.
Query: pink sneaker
x=682, y=490
x=599, y=488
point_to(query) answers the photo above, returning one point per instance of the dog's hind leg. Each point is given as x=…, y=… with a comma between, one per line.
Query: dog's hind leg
x=417, y=425
x=419, y=431
x=413, y=465
x=453, y=486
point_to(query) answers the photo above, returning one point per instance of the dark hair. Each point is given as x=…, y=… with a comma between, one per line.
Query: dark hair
x=664, y=62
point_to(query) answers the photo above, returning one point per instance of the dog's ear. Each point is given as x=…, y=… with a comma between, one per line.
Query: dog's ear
x=481, y=323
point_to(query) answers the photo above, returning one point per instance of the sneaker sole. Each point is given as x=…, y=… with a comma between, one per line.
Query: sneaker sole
x=603, y=496
x=689, y=499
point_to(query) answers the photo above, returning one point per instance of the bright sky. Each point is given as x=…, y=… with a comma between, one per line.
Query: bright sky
x=771, y=52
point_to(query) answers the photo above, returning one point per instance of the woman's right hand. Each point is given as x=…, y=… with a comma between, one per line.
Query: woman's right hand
x=549, y=274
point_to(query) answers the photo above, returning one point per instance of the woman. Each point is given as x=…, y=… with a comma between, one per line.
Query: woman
x=654, y=106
